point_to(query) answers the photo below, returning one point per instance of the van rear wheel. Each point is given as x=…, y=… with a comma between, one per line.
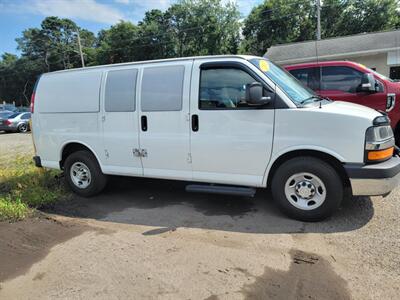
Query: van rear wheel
x=307, y=188
x=83, y=174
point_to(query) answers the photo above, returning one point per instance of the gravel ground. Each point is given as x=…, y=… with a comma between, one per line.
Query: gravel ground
x=150, y=239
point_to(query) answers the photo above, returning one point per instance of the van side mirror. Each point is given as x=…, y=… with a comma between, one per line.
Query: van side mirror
x=254, y=94
x=368, y=83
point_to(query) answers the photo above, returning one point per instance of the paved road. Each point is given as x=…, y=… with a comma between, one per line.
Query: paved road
x=151, y=239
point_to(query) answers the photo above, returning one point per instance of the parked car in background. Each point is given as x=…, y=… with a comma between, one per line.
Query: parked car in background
x=16, y=122
x=8, y=107
x=352, y=82
x=4, y=114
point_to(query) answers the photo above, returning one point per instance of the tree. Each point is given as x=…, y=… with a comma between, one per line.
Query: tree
x=367, y=16
x=205, y=27
x=55, y=43
x=278, y=21
x=51, y=47
x=117, y=44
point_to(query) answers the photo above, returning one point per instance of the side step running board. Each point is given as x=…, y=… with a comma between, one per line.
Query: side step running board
x=221, y=189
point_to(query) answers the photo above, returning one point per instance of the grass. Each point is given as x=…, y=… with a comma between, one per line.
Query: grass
x=23, y=188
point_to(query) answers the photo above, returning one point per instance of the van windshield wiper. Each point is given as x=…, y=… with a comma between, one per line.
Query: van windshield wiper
x=315, y=97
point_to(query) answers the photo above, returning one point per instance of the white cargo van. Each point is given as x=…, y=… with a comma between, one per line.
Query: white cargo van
x=238, y=122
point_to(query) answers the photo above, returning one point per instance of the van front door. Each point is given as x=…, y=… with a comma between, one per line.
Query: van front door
x=164, y=120
x=120, y=123
x=231, y=141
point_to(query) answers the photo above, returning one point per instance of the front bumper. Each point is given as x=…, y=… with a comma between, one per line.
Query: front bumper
x=375, y=179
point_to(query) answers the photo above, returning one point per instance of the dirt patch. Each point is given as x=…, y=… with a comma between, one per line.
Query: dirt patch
x=28, y=241
x=309, y=277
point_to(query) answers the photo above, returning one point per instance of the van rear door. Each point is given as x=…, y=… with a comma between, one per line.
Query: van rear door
x=120, y=122
x=164, y=119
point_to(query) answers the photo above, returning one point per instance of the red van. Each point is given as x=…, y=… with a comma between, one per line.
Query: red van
x=353, y=82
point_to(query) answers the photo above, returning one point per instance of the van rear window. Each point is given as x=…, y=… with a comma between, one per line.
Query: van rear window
x=120, y=90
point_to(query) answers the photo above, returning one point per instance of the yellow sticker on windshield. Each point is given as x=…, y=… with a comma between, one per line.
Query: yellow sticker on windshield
x=264, y=66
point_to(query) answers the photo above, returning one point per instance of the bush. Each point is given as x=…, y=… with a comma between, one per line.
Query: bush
x=23, y=186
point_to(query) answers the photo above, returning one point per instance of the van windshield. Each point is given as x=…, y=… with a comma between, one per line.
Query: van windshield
x=289, y=84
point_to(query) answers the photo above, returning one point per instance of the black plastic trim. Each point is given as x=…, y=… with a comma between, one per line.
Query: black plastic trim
x=386, y=169
x=37, y=161
x=386, y=121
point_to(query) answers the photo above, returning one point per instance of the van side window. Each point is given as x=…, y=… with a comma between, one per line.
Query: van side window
x=308, y=77
x=223, y=88
x=162, y=88
x=343, y=79
x=120, y=90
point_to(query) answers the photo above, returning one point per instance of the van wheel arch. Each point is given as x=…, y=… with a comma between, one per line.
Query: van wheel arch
x=331, y=160
x=71, y=148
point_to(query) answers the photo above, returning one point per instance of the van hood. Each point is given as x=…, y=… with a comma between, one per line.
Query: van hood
x=350, y=109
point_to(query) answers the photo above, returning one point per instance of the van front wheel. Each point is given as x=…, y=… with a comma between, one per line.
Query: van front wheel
x=83, y=174
x=307, y=188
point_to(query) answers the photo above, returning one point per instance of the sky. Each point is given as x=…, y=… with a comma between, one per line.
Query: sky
x=94, y=15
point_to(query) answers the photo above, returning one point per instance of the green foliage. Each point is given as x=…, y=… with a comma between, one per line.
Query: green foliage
x=23, y=186
x=278, y=22
x=12, y=210
x=283, y=21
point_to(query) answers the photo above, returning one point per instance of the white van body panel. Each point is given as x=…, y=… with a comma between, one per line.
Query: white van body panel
x=231, y=147
x=66, y=110
x=295, y=131
x=75, y=91
x=120, y=134
x=167, y=138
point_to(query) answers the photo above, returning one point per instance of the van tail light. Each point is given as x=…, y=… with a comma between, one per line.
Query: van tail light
x=33, y=102
x=34, y=95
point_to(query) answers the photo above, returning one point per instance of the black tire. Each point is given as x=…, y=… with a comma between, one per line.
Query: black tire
x=324, y=171
x=98, y=179
x=23, y=128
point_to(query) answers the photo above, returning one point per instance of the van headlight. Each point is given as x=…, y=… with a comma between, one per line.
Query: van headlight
x=379, y=143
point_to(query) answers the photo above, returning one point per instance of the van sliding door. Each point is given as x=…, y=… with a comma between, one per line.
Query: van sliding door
x=164, y=120
x=120, y=122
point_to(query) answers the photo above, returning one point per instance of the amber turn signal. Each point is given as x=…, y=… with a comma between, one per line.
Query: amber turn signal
x=380, y=154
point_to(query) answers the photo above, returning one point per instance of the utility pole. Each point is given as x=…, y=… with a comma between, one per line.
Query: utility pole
x=80, y=48
x=318, y=20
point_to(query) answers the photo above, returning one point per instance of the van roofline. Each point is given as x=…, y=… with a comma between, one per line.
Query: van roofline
x=246, y=57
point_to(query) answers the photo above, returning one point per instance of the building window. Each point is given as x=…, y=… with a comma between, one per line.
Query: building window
x=395, y=72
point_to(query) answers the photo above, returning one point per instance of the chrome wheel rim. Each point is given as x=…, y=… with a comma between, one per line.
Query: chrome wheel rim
x=305, y=191
x=23, y=128
x=80, y=175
